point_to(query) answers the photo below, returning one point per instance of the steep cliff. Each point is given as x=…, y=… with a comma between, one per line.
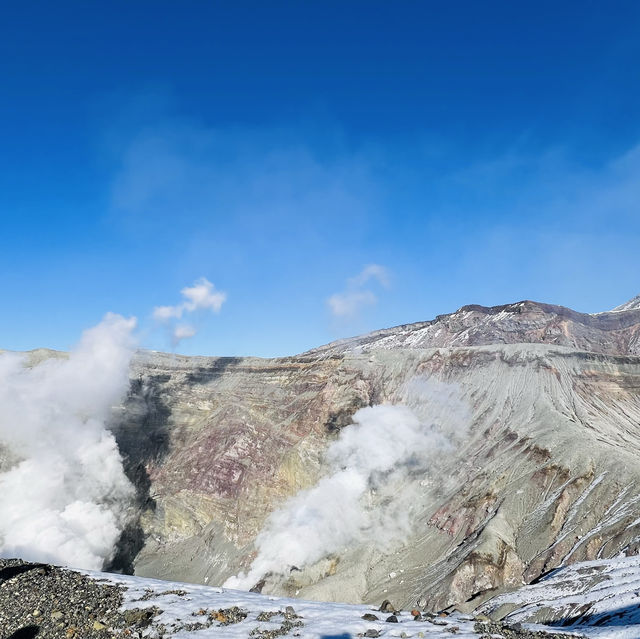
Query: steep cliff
x=547, y=472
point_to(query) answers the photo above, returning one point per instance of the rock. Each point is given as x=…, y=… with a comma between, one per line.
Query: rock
x=369, y=617
x=386, y=606
x=372, y=633
x=228, y=616
x=57, y=615
x=258, y=587
x=141, y=617
x=415, y=613
x=437, y=621
x=290, y=613
x=392, y=619
x=36, y=613
x=97, y=625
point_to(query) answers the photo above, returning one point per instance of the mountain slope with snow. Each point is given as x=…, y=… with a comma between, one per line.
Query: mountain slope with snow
x=633, y=304
x=521, y=323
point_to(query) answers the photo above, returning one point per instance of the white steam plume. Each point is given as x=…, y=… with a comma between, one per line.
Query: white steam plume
x=384, y=446
x=66, y=498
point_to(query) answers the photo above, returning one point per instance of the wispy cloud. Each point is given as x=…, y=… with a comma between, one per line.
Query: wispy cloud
x=350, y=303
x=201, y=296
x=358, y=294
x=370, y=272
x=176, y=176
x=183, y=331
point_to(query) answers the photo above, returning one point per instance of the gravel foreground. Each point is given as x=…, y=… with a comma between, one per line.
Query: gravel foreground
x=48, y=602
x=38, y=600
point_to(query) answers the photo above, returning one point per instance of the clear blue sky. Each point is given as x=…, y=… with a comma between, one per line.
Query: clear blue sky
x=475, y=152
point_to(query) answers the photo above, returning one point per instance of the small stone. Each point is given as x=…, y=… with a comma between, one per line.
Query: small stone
x=453, y=629
x=98, y=626
x=258, y=587
x=415, y=613
x=386, y=606
x=392, y=619
x=482, y=618
x=36, y=613
x=369, y=617
x=57, y=615
x=403, y=635
x=372, y=633
x=140, y=617
x=289, y=612
x=421, y=634
x=438, y=622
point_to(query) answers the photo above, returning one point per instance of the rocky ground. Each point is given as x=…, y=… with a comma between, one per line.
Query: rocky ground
x=48, y=602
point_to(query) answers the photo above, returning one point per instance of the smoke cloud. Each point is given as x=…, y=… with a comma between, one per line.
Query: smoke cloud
x=64, y=497
x=202, y=295
x=384, y=447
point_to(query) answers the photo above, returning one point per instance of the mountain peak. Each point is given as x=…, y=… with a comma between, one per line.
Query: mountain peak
x=631, y=305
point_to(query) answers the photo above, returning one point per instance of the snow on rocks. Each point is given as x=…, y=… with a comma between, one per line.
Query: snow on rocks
x=58, y=603
x=598, y=598
x=269, y=617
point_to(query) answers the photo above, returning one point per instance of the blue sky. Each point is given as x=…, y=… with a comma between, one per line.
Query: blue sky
x=332, y=167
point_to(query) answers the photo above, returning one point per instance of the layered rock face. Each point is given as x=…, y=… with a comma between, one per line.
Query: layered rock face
x=545, y=472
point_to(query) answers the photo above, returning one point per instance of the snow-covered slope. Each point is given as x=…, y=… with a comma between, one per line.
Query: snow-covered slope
x=631, y=305
x=597, y=598
x=183, y=605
